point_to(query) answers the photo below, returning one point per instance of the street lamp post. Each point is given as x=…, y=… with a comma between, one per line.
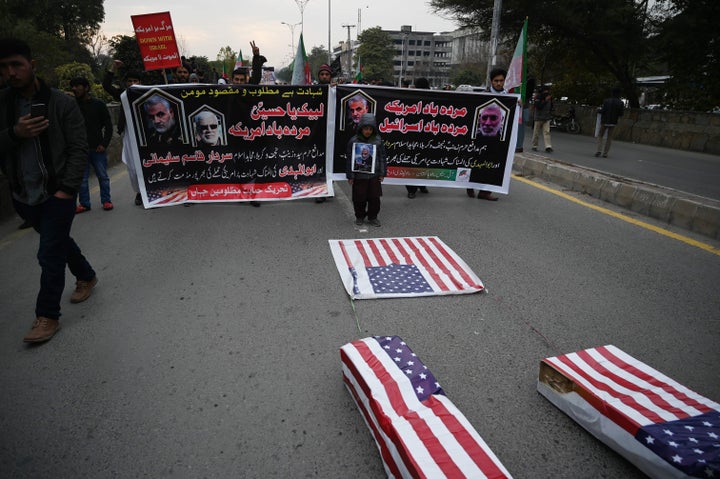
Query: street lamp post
x=292, y=26
x=301, y=5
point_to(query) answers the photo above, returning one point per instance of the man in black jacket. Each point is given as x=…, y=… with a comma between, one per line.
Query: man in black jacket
x=98, y=126
x=43, y=148
x=610, y=112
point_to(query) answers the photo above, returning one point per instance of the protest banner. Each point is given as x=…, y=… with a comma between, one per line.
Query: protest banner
x=210, y=143
x=433, y=138
x=285, y=142
x=156, y=39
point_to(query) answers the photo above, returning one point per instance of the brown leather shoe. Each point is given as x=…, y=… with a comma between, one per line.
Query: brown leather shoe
x=486, y=195
x=83, y=290
x=42, y=330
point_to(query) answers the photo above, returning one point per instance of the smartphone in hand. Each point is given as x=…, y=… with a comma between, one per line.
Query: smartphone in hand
x=38, y=109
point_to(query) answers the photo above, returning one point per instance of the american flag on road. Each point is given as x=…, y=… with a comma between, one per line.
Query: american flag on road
x=402, y=267
x=658, y=424
x=419, y=432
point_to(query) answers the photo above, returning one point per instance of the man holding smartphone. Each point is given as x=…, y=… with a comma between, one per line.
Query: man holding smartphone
x=44, y=158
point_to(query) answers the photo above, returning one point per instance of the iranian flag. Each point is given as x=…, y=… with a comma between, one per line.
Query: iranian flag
x=239, y=62
x=301, y=67
x=517, y=72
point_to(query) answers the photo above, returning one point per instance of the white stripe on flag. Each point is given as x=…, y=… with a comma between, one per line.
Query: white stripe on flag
x=443, y=270
x=632, y=400
x=662, y=386
x=423, y=428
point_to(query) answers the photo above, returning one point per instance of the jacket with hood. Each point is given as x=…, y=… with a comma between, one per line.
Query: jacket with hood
x=368, y=119
x=63, y=145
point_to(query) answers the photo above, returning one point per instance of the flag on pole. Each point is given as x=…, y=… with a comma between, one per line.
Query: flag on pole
x=517, y=71
x=358, y=71
x=239, y=62
x=301, y=66
x=418, y=430
x=402, y=267
x=658, y=424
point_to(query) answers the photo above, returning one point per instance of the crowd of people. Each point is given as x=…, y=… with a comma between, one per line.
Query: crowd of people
x=47, y=158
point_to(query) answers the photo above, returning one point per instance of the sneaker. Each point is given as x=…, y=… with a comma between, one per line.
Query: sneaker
x=549, y=149
x=107, y=206
x=42, y=330
x=83, y=290
x=411, y=195
x=81, y=209
x=138, y=199
x=597, y=154
x=358, y=221
x=374, y=222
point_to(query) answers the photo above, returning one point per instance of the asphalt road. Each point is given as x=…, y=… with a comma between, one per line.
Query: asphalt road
x=691, y=172
x=210, y=345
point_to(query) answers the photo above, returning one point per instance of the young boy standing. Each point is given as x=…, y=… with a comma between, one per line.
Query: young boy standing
x=366, y=166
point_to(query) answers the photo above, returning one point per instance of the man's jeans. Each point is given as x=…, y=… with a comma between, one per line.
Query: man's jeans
x=99, y=164
x=53, y=220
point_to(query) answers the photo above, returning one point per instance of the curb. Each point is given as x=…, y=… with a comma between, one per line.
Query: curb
x=693, y=213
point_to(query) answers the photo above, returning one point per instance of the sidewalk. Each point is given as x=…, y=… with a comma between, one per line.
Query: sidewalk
x=691, y=212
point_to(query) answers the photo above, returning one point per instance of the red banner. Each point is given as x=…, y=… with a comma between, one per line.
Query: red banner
x=156, y=39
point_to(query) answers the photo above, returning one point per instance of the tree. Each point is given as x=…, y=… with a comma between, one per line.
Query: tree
x=467, y=74
x=689, y=45
x=125, y=48
x=317, y=56
x=227, y=57
x=613, y=33
x=376, y=54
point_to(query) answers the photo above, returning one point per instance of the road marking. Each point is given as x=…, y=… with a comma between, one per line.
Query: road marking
x=623, y=217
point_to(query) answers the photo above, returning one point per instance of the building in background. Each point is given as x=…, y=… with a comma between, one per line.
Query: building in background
x=423, y=54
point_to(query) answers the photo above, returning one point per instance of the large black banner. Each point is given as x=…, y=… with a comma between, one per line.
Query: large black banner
x=208, y=143
x=433, y=138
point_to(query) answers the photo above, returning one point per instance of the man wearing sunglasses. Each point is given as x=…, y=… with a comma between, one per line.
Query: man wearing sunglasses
x=207, y=132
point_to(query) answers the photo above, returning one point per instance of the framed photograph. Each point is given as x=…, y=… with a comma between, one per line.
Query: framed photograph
x=364, y=155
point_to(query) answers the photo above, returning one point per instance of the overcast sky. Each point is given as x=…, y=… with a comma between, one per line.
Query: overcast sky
x=204, y=26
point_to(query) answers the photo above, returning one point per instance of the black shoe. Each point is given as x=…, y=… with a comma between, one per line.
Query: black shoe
x=25, y=225
x=320, y=200
x=597, y=154
x=256, y=204
x=470, y=192
x=411, y=195
x=424, y=190
x=358, y=221
x=549, y=150
x=138, y=199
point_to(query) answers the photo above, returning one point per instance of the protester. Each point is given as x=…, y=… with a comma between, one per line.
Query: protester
x=98, y=126
x=423, y=84
x=131, y=78
x=542, y=110
x=366, y=185
x=324, y=77
x=44, y=157
x=242, y=76
x=610, y=112
x=182, y=74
